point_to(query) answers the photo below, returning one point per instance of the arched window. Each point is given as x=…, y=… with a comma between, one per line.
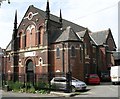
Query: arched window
x=40, y=61
x=28, y=38
x=58, y=52
x=81, y=53
x=29, y=65
x=40, y=35
x=24, y=40
x=73, y=51
x=86, y=52
x=20, y=40
x=33, y=32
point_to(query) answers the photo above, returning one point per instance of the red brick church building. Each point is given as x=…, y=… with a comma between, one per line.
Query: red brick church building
x=46, y=44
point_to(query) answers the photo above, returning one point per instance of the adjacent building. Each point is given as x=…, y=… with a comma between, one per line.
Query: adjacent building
x=1, y=64
x=116, y=55
x=2, y=51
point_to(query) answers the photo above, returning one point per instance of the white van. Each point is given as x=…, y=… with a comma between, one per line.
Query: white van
x=115, y=74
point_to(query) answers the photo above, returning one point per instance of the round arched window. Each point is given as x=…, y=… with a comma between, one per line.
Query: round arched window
x=40, y=61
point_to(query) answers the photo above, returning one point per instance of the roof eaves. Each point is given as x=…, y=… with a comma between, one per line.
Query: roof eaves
x=93, y=40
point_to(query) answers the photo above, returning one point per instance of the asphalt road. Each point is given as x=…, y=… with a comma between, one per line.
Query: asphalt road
x=102, y=90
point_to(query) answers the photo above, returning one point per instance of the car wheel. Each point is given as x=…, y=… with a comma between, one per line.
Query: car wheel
x=73, y=89
x=99, y=83
x=113, y=83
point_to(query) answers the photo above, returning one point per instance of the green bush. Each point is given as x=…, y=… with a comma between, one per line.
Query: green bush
x=29, y=85
x=15, y=86
x=41, y=85
x=31, y=90
x=18, y=85
x=43, y=91
x=10, y=84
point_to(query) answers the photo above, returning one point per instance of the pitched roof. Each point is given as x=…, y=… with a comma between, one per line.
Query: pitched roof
x=81, y=33
x=68, y=35
x=9, y=47
x=66, y=23
x=52, y=17
x=100, y=36
x=116, y=55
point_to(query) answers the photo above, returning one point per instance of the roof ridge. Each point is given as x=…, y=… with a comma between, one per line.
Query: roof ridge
x=100, y=31
x=58, y=17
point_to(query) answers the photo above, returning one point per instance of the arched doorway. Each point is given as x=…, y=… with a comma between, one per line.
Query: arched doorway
x=30, y=71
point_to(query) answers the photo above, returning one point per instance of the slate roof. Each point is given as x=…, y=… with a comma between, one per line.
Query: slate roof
x=100, y=36
x=1, y=52
x=68, y=35
x=66, y=23
x=116, y=55
x=81, y=33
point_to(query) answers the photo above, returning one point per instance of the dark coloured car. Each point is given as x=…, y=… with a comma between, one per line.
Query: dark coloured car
x=105, y=77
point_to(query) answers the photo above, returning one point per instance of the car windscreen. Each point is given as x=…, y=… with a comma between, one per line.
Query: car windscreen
x=59, y=80
x=93, y=76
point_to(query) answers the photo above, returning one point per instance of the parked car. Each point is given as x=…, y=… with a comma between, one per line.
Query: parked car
x=60, y=83
x=105, y=77
x=92, y=79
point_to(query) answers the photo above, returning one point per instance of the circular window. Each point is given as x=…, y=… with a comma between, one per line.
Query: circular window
x=30, y=16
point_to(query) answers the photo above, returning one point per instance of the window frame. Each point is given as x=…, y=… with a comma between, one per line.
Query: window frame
x=73, y=51
x=57, y=52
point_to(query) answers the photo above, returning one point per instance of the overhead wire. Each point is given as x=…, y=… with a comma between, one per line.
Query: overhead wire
x=95, y=12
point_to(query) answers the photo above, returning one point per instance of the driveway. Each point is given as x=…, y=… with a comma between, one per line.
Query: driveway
x=103, y=90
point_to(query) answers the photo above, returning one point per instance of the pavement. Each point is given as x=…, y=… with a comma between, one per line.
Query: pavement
x=63, y=94
x=51, y=94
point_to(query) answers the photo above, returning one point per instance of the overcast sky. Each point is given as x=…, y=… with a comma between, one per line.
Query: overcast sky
x=94, y=14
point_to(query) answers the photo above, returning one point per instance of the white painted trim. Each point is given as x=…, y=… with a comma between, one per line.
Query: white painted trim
x=12, y=66
x=22, y=66
x=93, y=40
x=45, y=64
x=37, y=65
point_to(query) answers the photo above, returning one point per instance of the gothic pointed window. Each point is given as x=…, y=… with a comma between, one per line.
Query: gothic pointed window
x=40, y=35
x=81, y=53
x=58, y=52
x=24, y=41
x=30, y=36
x=73, y=51
x=20, y=40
